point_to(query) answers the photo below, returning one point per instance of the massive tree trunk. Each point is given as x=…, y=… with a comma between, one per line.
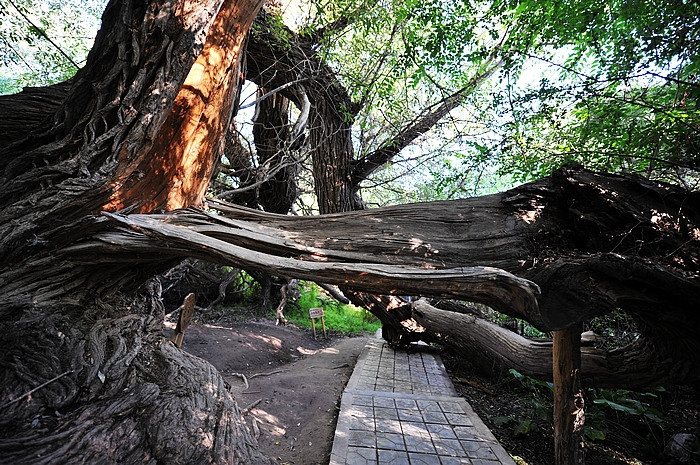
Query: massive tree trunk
x=441, y=250
x=293, y=68
x=86, y=375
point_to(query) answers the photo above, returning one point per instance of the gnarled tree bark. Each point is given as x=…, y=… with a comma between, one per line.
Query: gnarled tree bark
x=140, y=128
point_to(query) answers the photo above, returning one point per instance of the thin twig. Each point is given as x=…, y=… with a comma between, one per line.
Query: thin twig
x=36, y=389
x=625, y=236
x=267, y=374
x=250, y=407
x=272, y=92
x=242, y=376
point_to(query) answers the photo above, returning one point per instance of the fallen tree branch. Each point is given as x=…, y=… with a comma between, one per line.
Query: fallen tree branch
x=194, y=232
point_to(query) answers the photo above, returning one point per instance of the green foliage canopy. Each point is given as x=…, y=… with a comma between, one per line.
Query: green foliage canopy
x=613, y=85
x=42, y=40
x=618, y=88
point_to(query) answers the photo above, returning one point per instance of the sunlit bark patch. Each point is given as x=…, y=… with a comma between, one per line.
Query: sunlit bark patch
x=177, y=169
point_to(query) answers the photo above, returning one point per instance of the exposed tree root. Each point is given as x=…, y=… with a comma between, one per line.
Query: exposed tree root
x=124, y=395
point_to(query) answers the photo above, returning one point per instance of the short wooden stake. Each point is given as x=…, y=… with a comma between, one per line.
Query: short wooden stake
x=568, y=397
x=184, y=321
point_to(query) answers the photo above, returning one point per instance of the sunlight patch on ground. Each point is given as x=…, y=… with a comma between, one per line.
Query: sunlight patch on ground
x=271, y=340
x=327, y=350
x=305, y=351
x=270, y=422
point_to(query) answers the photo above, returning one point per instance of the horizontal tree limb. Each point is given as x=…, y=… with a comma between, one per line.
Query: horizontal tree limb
x=159, y=236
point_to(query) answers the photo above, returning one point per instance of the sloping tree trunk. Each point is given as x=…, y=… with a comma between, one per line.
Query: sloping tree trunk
x=86, y=375
x=636, y=366
x=592, y=242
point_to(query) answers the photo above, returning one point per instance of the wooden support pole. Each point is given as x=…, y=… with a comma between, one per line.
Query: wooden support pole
x=568, y=397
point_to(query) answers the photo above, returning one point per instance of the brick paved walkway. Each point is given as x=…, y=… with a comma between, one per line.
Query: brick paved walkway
x=401, y=408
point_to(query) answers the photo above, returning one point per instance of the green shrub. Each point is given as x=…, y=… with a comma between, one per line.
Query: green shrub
x=346, y=319
x=601, y=414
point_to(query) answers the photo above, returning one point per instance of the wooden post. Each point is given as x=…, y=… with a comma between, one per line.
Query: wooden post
x=568, y=397
x=184, y=321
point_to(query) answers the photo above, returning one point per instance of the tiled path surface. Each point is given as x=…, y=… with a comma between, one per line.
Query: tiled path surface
x=401, y=408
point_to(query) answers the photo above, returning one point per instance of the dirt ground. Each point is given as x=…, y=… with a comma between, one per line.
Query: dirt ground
x=295, y=382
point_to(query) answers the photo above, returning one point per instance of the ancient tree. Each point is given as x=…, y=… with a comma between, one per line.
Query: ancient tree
x=103, y=182
x=86, y=375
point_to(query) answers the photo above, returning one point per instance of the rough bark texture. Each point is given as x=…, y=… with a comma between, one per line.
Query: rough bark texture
x=139, y=128
x=128, y=396
x=422, y=250
x=592, y=242
x=271, y=133
x=34, y=104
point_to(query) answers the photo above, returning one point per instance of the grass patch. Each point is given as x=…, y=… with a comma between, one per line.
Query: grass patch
x=346, y=319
